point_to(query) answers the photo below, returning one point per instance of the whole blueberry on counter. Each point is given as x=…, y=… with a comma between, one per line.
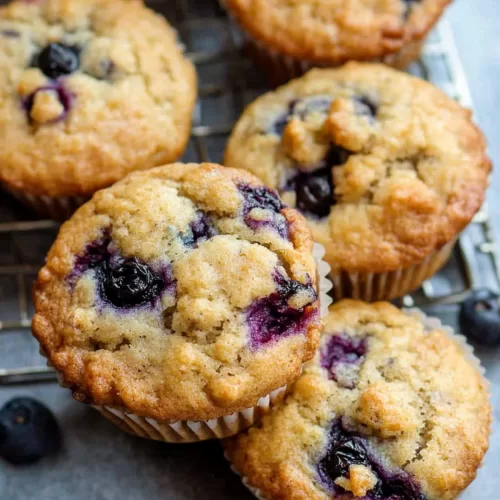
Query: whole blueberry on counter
x=28, y=431
x=480, y=317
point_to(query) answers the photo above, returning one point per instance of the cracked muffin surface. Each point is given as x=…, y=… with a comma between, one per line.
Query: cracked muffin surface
x=91, y=90
x=186, y=292
x=335, y=31
x=386, y=168
x=389, y=408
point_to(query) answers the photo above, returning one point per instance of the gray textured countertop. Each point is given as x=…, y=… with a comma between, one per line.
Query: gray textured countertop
x=99, y=462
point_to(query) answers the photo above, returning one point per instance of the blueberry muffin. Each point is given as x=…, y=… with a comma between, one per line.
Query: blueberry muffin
x=390, y=408
x=287, y=38
x=387, y=169
x=180, y=295
x=91, y=90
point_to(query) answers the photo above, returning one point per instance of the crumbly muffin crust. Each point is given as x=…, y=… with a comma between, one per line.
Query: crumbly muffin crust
x=386, y=407
x=183, y=293
x=386, y=167
x=121, y=99
x=335, y=31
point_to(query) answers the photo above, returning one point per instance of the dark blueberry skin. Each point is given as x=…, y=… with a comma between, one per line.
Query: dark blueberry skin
x=480, y=317
x=266, y=199
x=28, y=432
x=272, y=317
x=345, y=449
x=65, y=98
x=342, y=350
x=200, y=230
x=315, y=190
x=363, y=106
x=57, y=60
x=124, y=283
x=299, y=108
x=129, y=283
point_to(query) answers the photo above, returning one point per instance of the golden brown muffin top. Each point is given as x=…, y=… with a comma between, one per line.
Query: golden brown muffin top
x=90, y=90
x=183, y=293
x=386, y=167
x=335, y=31
x=390, y=407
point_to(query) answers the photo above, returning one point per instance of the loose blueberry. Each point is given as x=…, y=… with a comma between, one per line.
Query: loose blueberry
x=480, y=317
x=200, y=230
x=272, y=317
x=363, y=106
x=57, y=60
x=130, y=283
x=342, y=352
x=65, y=98
x=347, y=448
x=28, y=431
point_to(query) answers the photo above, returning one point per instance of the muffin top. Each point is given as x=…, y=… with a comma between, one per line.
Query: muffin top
x=90, y=90
x=335, y=31
x=389, y=408
x=385, y=166
x=183, y=293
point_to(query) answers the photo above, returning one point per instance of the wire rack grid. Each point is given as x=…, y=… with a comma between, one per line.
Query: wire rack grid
x=227, y=83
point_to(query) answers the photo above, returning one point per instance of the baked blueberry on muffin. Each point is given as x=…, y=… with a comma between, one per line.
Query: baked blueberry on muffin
x=181, y=301
x=387, y=169
x=392, y=407
x=91, y=90
x=288, y=38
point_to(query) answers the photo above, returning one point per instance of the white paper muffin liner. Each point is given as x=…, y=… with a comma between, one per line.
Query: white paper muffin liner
x=189, y=431
x=57, y=208
x=430, y=322
x=281, y=68
x=372, y=287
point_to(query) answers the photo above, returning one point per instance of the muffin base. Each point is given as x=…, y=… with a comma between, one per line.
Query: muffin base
x=280, y=68
x=57, y=208
x=372, y=287
x=430, y=322
x=190, y=431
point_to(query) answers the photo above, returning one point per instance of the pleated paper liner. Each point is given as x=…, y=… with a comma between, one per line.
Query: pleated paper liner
x=432, y=323
x=188, y=431
x=372, y=287
x=57, y=208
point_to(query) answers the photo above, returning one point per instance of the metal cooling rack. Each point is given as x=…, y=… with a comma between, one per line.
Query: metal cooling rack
x=227, y=83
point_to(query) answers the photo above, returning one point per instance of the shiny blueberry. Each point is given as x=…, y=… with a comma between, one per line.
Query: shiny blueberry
x=129, y=283
x=315, y=192
x=347, y=448
x=28, y=431
x=480, y=317
x=57, y=60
